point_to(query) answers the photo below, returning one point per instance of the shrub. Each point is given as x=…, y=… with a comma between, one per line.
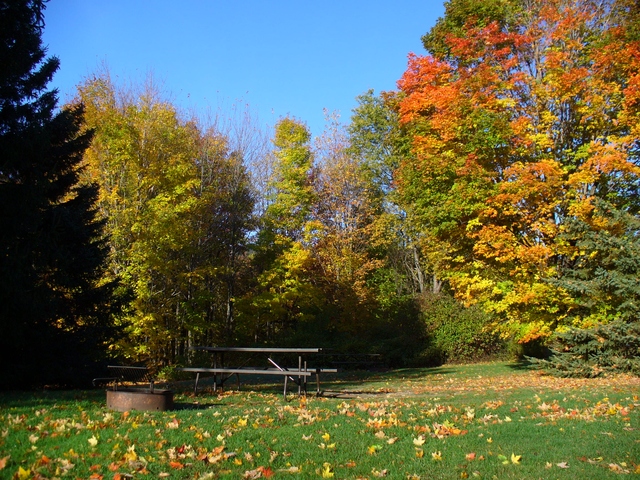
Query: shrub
x=457, y=333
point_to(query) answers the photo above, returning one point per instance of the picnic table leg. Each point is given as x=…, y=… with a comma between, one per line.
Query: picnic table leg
x=285, y=387
x=299, y=377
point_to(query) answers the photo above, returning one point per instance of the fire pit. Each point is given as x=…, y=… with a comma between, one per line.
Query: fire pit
x=126, y=399
x=123, y=398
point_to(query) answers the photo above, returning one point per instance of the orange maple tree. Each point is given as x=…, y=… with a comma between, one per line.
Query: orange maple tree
x=520, y=122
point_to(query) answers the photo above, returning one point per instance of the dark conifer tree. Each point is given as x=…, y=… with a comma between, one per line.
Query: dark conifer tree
x=54, y=313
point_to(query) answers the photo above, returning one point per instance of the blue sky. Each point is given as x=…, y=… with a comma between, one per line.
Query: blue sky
x=281, y=57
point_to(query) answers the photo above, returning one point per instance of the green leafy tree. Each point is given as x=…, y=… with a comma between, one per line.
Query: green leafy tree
x=178, y=207
x=380, y=144
x=285, y=293
x=55, y=310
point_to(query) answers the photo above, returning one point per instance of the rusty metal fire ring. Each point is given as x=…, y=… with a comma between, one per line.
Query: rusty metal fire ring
x=125, y=399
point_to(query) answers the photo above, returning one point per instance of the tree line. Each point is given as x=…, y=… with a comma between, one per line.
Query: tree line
x=488, y=204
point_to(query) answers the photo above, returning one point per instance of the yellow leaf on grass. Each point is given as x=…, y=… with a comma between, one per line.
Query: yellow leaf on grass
x=419, y=441
x=327, y=471
x=436, y=456
x=373, y=449
x=93, y=441
x=23, y=474
x=515, y=458
x=131, y=455
x=326, y=437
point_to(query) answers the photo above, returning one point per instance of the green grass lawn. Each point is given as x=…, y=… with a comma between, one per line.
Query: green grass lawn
x=474, y=421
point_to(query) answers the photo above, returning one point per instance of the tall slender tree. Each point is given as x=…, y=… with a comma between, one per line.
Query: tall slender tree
x=54, y=310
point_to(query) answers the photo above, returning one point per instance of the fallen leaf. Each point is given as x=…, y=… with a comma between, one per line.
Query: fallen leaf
x=173, y=424
x=3, y=461
x=515, y=459
x=471, y=456
x=267, y=472
x=436, y=456
x=23, y=474
x=93, y=441
x=419, y=441
x=614, y=467
x=251, y=474
x=379, y=473
x=327, y=471
x=562, y=465
x=290, y=470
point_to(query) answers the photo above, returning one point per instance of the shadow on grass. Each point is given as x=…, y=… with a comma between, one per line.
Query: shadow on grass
x=195, y=405
x=523, y=365
x=50, y=398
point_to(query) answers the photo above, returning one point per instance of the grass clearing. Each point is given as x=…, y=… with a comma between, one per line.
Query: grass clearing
x=472, y=421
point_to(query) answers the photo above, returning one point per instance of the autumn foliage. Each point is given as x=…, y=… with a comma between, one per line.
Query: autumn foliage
x=495, y=195
x=519, y=125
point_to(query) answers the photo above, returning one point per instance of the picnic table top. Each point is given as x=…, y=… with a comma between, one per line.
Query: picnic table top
x=259, y=349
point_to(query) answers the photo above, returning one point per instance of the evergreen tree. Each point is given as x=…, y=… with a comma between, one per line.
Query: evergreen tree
x=54, y=310
x=601, y=266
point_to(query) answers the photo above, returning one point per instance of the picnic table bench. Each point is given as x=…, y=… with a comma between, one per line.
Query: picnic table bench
x=299, y=375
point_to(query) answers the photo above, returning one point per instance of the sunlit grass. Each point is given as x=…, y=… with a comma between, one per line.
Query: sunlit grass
x=476, y=421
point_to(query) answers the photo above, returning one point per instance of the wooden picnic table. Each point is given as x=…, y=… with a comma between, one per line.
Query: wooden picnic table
x=298, y=375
